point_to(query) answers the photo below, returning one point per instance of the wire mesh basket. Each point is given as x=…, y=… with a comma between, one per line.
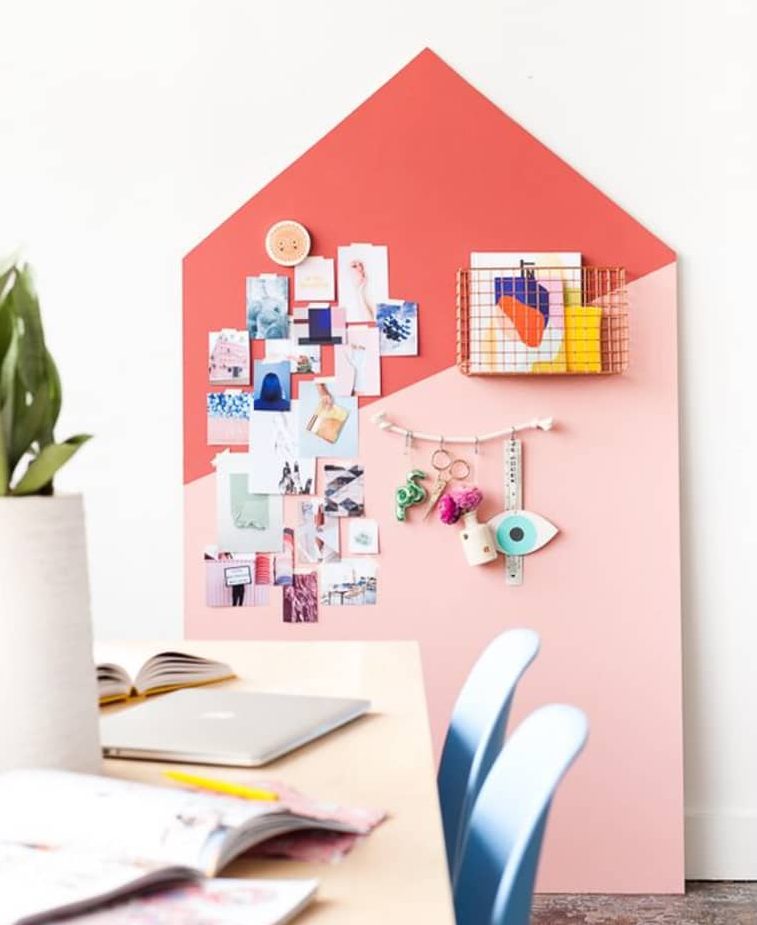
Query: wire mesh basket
x=530, y=320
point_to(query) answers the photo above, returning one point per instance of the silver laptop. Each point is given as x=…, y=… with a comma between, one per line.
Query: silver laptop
x=242, y=728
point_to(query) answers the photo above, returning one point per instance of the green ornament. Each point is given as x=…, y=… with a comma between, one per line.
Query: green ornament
x=409, y=494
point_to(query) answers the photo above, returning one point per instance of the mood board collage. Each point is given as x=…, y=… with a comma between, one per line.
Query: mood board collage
x=317, y=305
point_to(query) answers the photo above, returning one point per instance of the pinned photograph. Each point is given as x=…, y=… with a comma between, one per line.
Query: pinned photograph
x=327, y=424
x=300, y=599
x=344, y=492
x=272, y=386
x=283, y=562
x=362, y=537
x=229, y=357
x=229, y=579
x=302, y=358
x=398, y=328
x=359, y=361
x=351, y=582
x=228, y=417
x=246, y=522
x=314, y=280
x=320, y=328
x=268, y=306
x=277, y=466
x=317, y=533
x=263, y=570
x=363, y=279
x=338, y=324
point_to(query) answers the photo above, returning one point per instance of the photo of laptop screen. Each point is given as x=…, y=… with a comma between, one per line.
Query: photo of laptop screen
x=237, y=575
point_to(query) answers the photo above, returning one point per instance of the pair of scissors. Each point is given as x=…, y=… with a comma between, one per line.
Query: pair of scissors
x=447, y=469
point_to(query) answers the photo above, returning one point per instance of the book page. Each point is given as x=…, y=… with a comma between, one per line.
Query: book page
x=38, y=881
x=211, y=902
x=130, y=658
x=129, y=821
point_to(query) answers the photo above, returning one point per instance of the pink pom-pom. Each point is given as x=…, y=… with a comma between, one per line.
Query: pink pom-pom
x=448, y=510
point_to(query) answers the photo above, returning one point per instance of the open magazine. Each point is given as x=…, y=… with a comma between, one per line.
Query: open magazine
x=37, y=884
x=140, y=835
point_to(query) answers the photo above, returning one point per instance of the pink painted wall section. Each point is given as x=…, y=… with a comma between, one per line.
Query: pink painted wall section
x=604, y=595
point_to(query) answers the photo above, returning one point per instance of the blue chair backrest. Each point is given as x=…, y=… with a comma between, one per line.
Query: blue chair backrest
x=477, y=730
x=500, y=855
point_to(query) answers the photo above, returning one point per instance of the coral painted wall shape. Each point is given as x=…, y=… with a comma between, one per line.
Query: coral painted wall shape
x=604, y=595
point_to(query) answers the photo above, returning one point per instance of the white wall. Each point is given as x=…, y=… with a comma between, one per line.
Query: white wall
x=128, y=130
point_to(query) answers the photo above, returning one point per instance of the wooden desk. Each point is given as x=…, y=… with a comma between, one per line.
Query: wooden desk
x=398, y=874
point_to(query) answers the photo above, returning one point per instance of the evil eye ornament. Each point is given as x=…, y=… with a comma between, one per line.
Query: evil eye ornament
x=518, y=533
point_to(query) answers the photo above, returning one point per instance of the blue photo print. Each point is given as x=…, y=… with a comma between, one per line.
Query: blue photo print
x=398, y=328
x=268, y=307
x=272, y=386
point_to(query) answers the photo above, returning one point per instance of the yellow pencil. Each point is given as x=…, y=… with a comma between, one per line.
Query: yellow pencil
x=220, y=786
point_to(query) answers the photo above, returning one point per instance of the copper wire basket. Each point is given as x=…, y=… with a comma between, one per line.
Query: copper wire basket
x=542, y=321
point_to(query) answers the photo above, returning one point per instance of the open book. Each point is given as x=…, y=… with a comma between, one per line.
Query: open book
x=164, y=671
x=106, y=838
x=39, y=883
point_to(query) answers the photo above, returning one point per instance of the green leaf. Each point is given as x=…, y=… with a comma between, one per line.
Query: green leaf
x=38, y=477
x=8, y=362
x=29, y=423
x=55, y=397
x=4, y=470
x=32, y=352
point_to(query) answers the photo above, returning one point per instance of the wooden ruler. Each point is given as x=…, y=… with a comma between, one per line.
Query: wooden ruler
x=513, y=502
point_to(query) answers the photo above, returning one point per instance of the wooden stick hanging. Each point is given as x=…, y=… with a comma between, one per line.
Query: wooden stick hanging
x=383, y=423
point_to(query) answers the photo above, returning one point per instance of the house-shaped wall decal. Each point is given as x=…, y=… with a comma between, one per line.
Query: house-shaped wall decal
x=434, y=170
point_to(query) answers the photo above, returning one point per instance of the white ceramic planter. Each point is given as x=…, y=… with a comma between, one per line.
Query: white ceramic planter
x=48, y=691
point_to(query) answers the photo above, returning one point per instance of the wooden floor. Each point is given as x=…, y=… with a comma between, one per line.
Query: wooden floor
x=703, y=904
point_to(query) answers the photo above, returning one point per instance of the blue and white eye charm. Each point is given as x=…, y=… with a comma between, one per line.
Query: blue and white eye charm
x=518, y=533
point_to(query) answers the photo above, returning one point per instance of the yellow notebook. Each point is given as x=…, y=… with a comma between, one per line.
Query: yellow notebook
x=164, y=671
x=583, y=338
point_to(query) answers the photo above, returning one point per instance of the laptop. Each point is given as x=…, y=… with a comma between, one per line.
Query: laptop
x=239, y=728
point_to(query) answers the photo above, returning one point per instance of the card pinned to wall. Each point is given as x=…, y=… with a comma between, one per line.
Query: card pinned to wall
x=263, y=569
x=272, y=388
x=229, y=578
x=358, y=361
x=300, y=599
x=302, y=358
x=362, y=536
x=246, y=522
x=321, y=325
x=228, y=417
x=277, y=465
x=229, y=357
x=345, y=490
x=327, y=424
x=314, y=280
x=267, y=306
x=363, y=271
x=349, y=583
x=317, y=533
x=283, y=562
x=398, y=328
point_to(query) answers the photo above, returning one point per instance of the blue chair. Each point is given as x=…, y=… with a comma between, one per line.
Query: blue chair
x=500, y=856
x=477, y=731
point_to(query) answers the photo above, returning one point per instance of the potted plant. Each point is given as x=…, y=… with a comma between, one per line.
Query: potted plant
x=48, y=687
